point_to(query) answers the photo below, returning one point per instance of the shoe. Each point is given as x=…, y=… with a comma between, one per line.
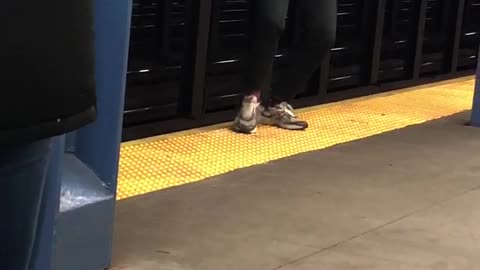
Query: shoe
x=246, y=120
x=282, y=116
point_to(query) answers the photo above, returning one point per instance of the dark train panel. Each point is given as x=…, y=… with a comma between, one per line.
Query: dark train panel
x=381, y=42
x=349, y=62
x=156, y=60
x=398, y=41
x=470, y=35
x=436, y=41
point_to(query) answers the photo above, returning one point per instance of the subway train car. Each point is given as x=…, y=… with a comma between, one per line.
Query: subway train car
x=185, y=64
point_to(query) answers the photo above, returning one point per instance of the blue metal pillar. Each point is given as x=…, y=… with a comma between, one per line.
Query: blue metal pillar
x=475, y=120
x=31, y=183
x=83, y=238
x=49, y=208
x=75, y=219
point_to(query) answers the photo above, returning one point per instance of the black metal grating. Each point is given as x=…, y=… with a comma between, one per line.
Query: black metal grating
x=398, y=43
x=436, y=40
x=349, y=63
x=228, y=41
x=470, y=35
x=156, y=60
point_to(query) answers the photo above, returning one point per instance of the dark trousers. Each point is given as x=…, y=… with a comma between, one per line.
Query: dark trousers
x=23, y=172
x=318, y=19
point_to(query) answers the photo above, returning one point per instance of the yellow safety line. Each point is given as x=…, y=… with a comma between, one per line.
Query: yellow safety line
x=169, y=160
x=225, y=125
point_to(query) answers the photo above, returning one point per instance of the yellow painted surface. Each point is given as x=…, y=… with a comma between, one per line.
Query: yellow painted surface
x=156, y=163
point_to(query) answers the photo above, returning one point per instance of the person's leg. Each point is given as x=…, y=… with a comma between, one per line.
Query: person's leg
x=267, y=24
x=22, y=176
x=318, y=26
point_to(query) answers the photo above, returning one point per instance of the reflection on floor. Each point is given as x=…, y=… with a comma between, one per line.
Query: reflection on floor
x=157, y=163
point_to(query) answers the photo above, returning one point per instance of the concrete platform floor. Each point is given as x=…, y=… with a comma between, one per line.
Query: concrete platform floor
x=401, y=200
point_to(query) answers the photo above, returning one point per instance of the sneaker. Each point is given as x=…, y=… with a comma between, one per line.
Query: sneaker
x=282, y=116
x=246, y=120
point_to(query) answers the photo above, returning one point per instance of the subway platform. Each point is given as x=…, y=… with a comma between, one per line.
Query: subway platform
x=384, y=182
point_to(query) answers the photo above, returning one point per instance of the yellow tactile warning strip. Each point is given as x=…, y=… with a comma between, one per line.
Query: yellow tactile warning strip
x=166, y=161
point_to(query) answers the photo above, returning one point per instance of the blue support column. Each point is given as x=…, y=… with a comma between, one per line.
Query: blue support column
x=84, y=229
x=49, y=208
x=98, y=145
x=75, y=221
x=475, y=120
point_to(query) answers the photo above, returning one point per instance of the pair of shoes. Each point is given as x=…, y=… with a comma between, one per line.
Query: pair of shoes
x=280, y=115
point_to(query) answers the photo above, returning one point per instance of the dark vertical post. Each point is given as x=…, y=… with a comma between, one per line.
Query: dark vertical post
x=394, y=17
x=214, y=35
x=456, y=36
x=419, y=37
x=294, y=18
x=163, y=16
x=377, y=41
x=324, y=77
x=193, y=94
x=475, y=118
